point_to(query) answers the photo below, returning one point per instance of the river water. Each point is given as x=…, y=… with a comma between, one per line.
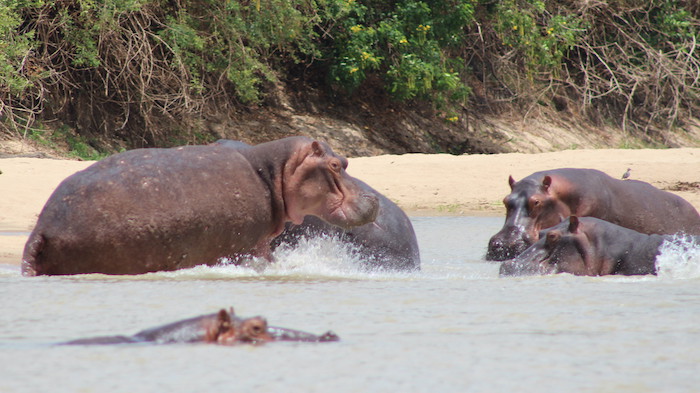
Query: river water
x=455, y=326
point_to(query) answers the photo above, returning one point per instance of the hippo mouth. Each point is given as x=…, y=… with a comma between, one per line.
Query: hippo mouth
x=354, y=212
x=508, y=244
x=532, y=261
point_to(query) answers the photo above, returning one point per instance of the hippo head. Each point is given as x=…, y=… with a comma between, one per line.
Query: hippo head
x=564, y=248
x=530, y=207
x=316, y=183
x=227, y=329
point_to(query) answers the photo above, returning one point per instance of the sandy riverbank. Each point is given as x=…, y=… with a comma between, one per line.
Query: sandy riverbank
x=422, y=184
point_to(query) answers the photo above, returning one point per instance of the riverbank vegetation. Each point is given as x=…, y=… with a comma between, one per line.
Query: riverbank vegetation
x=134, y=73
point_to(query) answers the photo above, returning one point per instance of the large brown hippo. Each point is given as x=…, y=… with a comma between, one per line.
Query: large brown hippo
x=147, y=210
x=589, y=246
x=223, y=328
x=387, y=243
x=545, y=198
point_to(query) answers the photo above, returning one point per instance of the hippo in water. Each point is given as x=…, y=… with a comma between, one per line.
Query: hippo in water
x=224, y=328
x=149, y=210
x=589, y=246
x=545, y=198
x=388, y=243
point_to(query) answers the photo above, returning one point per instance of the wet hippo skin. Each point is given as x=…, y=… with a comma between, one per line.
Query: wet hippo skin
x=387, y=243
x=588, y=246
x=149, y=210
x=223, y=328
x=546, y=198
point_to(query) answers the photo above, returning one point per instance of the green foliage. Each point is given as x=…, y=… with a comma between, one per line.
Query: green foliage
x=135, y=60
x=14, y=48
x=78, y=147
x=239, y=40
x=407, y=43
x=542, y=38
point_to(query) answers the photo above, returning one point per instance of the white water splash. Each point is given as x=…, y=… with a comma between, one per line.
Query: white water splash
x=321, y=257
x=679, y=257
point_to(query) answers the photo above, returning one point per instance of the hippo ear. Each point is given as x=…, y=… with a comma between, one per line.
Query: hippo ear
x=546, y=182
x=222, y=325
x=573, y=224
x=511, y=181
x=224, y=318
x=317, y=149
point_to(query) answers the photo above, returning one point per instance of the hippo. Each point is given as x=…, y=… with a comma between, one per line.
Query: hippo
x=150, y=210
x=545, y=198
x=589, y=246
x=223, y=328
x=388, y=243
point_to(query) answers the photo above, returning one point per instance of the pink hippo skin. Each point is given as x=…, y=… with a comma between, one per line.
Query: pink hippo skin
x=546, y=198
x=149, y=210
x=223, y=328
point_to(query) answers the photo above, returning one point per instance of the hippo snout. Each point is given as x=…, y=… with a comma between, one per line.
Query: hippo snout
x=515, y=268
x=361, y=210
x=507, y=244
x=369, y=202
x=530, y=262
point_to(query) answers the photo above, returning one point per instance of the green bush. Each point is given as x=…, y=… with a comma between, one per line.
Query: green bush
x=136, y=61
x=407, y=43
x=541, y=37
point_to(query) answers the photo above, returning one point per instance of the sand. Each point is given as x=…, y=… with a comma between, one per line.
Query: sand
x=422, y=184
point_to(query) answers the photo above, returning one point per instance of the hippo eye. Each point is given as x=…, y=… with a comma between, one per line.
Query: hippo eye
x=335, y=166
x=552, y=238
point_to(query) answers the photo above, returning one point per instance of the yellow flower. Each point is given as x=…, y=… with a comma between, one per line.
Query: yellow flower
x=354, y=70
x=452, y=119
x=403, y=41
x=356, y=28
x=515, y=27
x=365, y=55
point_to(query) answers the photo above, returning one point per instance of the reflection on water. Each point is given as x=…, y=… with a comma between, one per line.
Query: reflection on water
x=454, y=325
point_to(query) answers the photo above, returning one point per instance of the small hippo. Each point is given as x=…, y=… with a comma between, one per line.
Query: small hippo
x=589, y=246
x=223, y=328
x=546, y=198
x=388, y=243
x=150, y=210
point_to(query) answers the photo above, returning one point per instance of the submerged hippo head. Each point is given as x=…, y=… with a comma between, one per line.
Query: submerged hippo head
x=530, y=207
x=316, y=183
x=227, y=329
x=222, y=328
x=564, y=248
